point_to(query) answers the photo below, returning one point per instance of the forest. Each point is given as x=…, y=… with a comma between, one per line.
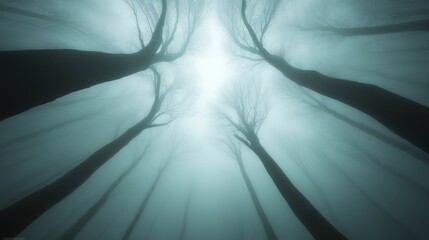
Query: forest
x=226, y=119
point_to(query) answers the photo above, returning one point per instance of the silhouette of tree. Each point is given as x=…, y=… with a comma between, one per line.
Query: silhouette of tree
x=247, y=111
x=14, y=218
x=235, y=149
x=34, y=77
x=405, y=117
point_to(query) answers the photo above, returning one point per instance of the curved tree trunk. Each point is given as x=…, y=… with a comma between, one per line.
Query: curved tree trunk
x=269, y=231
x=412, y=26
x=412, y=151
x=307, y=214
x=33, y=77
x=19, y=215
x=142, y=206
x=406, y=118
x=77, y=227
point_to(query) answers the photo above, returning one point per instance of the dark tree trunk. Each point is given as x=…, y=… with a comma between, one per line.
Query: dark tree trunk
x=307, y=214
x=269, y=231
x=77, y=227
x=414, y=152
x=406, y=118
x=19, y=215
x=413, y=26
x=412, y=13
x=33, y=77
x=379, y=207
x=142, y=206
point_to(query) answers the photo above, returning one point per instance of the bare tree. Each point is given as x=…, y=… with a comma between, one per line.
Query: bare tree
x=246, y=113
x=172, y=154
x=14, y=218
x=77, y=227
x=50, y=74
x=235, y=149
x=405, y=117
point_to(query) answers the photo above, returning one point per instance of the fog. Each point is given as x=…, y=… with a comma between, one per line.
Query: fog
x=180, y=177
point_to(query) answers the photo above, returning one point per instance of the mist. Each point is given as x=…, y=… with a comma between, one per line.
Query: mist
x=193, y=119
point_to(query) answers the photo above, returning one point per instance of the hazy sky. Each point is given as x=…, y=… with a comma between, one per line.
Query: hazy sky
x=366, y=188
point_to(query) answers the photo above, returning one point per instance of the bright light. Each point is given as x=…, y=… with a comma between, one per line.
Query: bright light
x=212, y=65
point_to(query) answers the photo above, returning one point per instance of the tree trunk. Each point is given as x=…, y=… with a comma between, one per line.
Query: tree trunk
x=15, y=218
x=406, y=118
x=412, y=26
x=307, y=214
x=77, y=227
x=142, y=207
x=414, y=152
x=34, y=77
x=185, y=220
x=269, y=231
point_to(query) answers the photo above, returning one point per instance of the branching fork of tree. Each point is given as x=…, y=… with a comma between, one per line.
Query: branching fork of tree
x=16, y=217
x=406, y=118
x=247, y=110
x=33, y=77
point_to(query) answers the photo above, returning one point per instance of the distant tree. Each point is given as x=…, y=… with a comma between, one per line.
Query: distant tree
x=235, y=149
x=172, y=154
x=14, y=218
x=34, y=77
x=77, y=227
x=247, y=110
x=406, y=118
x=185, y=220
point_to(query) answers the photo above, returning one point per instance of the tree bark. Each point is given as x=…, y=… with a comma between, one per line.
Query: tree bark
x=34, y=77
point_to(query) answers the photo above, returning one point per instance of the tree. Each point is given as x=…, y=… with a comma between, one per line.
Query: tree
x=137, y=216
x=20, y=214
x=77, y=227
x=34, y=77
x=235, y=149
x=185, y=220
x=247, y=112
x=395, y=143
x=404, y=117
x=411, y=26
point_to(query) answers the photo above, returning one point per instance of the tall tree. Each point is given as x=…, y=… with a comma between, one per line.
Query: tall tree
x=247, y=111
x=14, y=218
x=77, y=227
x=138, y=214
x=34, y=77
x=235, y=149
x=405, y=117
